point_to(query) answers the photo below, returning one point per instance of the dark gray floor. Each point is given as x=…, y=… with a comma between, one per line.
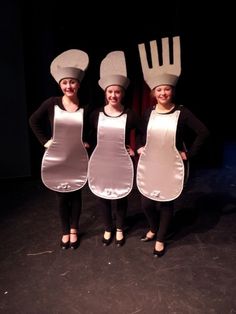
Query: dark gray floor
x=196, y=275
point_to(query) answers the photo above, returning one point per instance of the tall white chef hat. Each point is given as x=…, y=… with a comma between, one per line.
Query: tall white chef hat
x=70, y=64
x=113, y=70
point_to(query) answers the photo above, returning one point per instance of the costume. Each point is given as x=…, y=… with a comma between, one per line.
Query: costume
x=65, y=161
x=161, y=171
x=111, y=171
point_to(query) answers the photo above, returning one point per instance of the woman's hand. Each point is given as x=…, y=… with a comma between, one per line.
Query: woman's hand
x=86, y=145
x=130, y=151
x=140, y=150
x=48, y=143
x=183, y=155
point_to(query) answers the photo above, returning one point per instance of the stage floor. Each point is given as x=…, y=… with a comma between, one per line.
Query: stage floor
x=196, y=275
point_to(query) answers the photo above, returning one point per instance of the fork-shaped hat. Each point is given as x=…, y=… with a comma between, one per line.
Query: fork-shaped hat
x=167, y=73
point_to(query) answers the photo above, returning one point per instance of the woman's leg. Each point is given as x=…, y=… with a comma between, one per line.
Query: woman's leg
x=150, y=211
x=76, y=205
x=166, y=215
x=121, y=211
x=64, y=212
x=106, y=210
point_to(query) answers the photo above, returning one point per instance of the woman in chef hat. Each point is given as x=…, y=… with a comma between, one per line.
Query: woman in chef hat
x=111, y=171
x=161, y=170
x=60, y=125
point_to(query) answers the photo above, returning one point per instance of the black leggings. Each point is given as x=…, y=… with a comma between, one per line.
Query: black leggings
x=69, y=210
x=120, y=207
x=163, y=222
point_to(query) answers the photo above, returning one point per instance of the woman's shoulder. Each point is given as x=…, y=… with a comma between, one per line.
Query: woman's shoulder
x=184, y=110
x=187, y=115
x=147, y=111
x=129, y=111
x=97, y=110
x=52, y=101
x=94, y=112
x=179, y=107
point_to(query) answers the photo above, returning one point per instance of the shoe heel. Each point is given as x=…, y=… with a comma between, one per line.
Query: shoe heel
x=64, y=245
x=106, y=242
x=120, y=243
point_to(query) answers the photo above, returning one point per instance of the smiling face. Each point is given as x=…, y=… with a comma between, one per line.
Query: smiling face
x=114, y=95
x=69, y=86
x=163, y=94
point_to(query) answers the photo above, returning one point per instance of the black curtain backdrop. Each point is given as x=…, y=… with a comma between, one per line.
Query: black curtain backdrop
x=39, y=31
x=15, y=148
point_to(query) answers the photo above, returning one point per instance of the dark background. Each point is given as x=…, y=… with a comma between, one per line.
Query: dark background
x=34, y=33
x=197, y=273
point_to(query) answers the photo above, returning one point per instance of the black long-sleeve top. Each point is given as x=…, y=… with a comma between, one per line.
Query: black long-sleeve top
x=189, y=126
x=41, y=121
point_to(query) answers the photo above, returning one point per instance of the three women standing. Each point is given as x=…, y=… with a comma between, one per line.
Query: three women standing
x=161, y=169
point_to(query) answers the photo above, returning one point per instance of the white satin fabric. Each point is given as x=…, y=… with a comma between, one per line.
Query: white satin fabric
x=160, y=169
x=110, y=170
x=65, y=163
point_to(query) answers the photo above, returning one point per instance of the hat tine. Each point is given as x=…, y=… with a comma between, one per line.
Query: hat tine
x=165, y=51
x=154, y=54
x=177, y=55
x=143, y=58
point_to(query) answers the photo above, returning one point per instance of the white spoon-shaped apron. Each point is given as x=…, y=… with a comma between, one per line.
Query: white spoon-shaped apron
x=110, y=171
x=65, y=163
x=160, y=169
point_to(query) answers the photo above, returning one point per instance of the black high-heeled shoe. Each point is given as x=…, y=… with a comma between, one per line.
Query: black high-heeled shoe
x=105, y=241
x=65, y=245
x=74, y=245
x=157, y=253
x=120, y=242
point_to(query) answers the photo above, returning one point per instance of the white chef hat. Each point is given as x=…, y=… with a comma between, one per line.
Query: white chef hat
x=167, y=73
x=70, y=64
x=113, y=70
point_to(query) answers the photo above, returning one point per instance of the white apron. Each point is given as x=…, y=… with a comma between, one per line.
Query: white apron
x=110, y=170
x=160, y=169
x=65, y=162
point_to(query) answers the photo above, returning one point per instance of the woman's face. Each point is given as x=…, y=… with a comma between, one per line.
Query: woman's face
x=114, y=95
x=163, y=93
x=69, y=86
